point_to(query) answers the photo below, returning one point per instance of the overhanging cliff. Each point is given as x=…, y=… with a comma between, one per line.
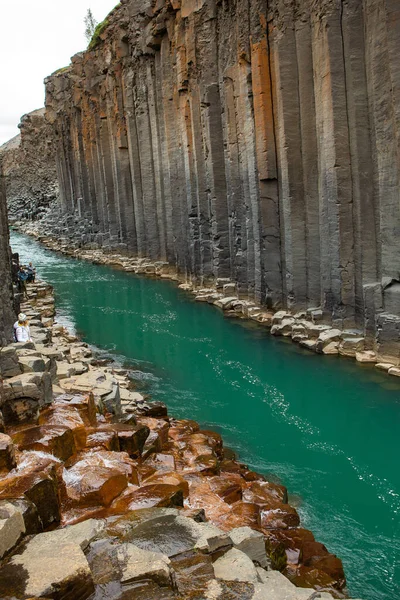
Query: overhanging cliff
x=251, y=140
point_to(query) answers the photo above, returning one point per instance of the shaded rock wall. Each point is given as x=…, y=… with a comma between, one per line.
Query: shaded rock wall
x=246, y=139
x=29, y=168
x=7, y=314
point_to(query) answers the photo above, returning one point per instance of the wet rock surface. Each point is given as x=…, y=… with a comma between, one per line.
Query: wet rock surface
x=140, y=505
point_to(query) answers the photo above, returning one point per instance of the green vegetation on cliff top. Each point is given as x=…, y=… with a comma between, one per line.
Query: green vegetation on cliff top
x=97, y=33
x=61, y=70
x=100, y=28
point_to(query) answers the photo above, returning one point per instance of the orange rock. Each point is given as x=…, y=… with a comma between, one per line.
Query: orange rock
x=152, y=445
x=102, y=440
x=160, y=426
x=308, y=577
x=215, y=441
x=54, y=439
x=241, y=514
x=281, y=516
x=131, y=437
x=145, y=471
x=231, y=466
x=66, y=416
x=299, y=543
x=95, y=486
x=85, y=405
x=264, y=492
x=205, y=464
x=331, y=565
x=35, y=479
x=147, y=496
x=170, y=478
x=118, y=461
x=196, y=444
x=179, y=429
x=161, y=462
x=228, y=486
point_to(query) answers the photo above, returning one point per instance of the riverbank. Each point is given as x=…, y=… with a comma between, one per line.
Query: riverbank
x=175, y=465
x=307, y=328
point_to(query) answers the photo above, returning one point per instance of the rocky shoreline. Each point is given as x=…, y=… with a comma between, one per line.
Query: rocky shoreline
x=307, y=328
x=103, y=495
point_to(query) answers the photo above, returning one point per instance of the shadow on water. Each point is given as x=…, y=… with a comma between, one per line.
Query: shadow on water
x=328, y=428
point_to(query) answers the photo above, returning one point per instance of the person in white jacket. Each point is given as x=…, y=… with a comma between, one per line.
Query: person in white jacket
x=21, y=329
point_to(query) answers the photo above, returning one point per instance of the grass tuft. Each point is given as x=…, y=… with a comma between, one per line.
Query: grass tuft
x=101, y=27
x=62, y=70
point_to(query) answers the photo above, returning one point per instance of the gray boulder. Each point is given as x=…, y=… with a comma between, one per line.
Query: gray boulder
x=9, y=366
x=235, y=566
x=12, y=527
x=51, y=565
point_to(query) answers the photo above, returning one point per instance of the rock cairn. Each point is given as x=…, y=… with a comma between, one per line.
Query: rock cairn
x=103, y=495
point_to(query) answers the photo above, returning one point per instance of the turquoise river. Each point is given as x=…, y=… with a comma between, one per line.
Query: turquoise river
x=327, y=427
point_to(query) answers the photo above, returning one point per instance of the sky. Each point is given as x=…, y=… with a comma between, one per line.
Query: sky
x=37, y=37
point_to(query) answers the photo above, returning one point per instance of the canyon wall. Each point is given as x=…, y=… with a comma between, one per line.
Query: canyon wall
x=29, y=168
x=255, y=140
x=7, y=315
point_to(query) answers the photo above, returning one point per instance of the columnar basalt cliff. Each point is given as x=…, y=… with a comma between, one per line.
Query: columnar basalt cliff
x=29, y=168
x=253, y=140
x=7, y=316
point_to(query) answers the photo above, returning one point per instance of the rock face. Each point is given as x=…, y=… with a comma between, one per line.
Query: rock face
x=253, y=141
x=30, y=169
x=7, y=315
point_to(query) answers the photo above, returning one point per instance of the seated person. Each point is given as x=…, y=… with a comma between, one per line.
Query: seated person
x=21, y=329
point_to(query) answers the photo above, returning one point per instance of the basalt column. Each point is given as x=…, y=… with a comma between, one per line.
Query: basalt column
x=7, y=316
x=250, y=140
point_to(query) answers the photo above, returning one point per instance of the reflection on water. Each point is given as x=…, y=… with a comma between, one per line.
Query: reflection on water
x=327, y=427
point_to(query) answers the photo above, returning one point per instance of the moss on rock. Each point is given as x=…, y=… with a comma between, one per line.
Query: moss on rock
x=101, y=27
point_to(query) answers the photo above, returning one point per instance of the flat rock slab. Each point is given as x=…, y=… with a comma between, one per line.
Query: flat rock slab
x=31, y=364
x=165, y=531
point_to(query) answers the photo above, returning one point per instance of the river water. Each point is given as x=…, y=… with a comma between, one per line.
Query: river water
x=326, y=427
